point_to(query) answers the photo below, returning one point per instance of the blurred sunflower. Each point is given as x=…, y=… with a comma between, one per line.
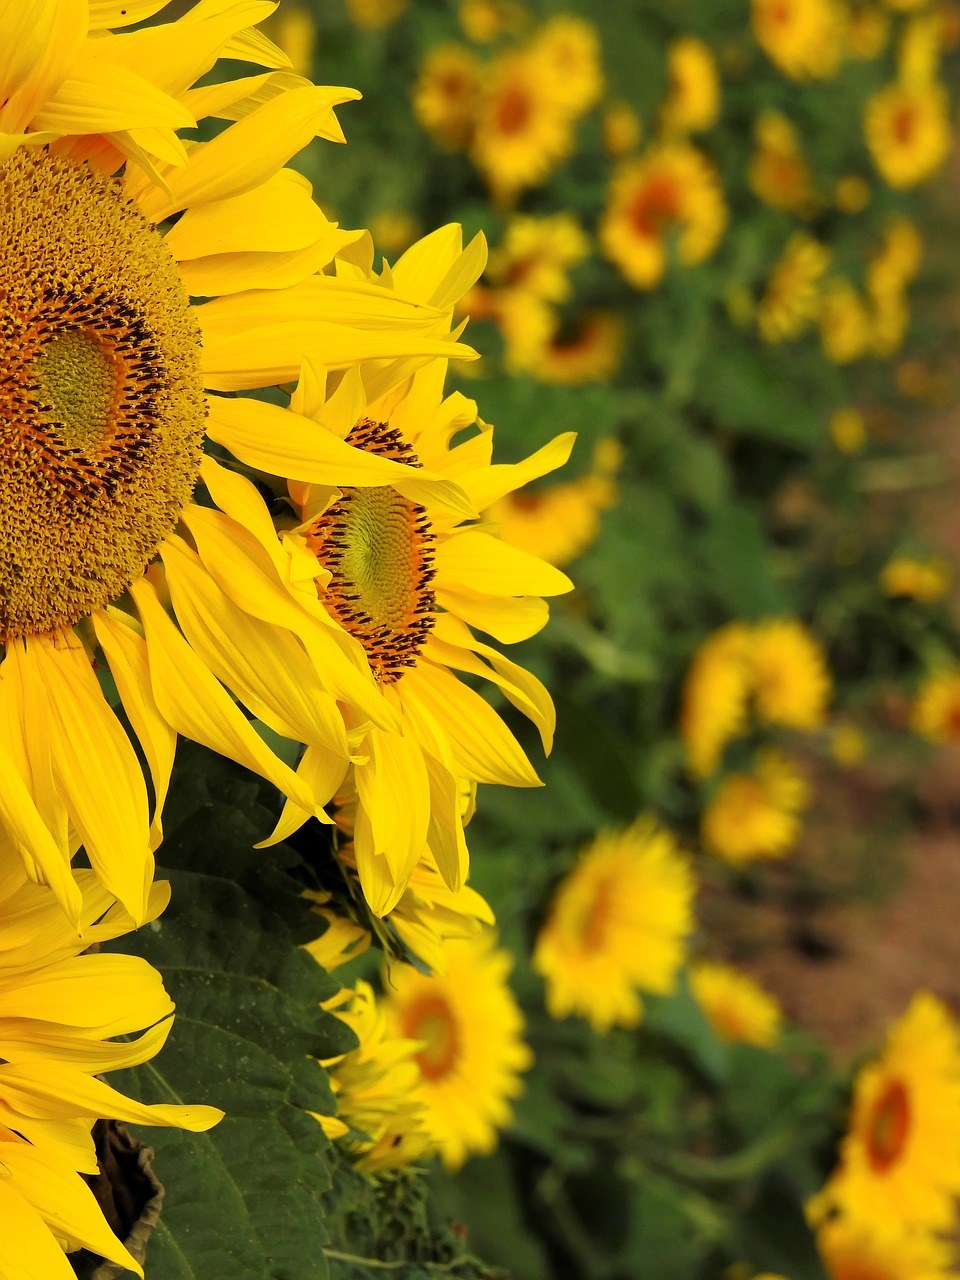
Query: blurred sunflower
x=105, y=391
x=848, y=430
x=587, y=349
x=852, y=1251
x=693, y=97
x=569, y=48
x=669, y=199
x=715, y=697
x=779, y=173
x=924, y=580
x=617, y=926
x=381, y=1117
x=60, y=1014
x=790, y=681
x=852, y=194
x=536, y=255
x=755, y=816
x=446, y=95
x=899, y=1163
x=866, y=30
x=486, y=20
x=897, y=259
x=845, y=322
x=802, y=37
x=374, y=15
x=622, y=129
x=907, y=127
x=523, y=125
x=738, y=1009
x=792, y=297
x=470, y=1031
x=936, y=708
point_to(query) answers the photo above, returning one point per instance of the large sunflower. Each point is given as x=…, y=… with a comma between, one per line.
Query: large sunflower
x=59, y=1015
x=109, y=225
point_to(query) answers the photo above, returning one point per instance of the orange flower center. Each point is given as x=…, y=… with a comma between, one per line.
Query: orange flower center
x=888, y=1127
x=514, y=110
x=431, y=1021
x=655, y=206
x=903, y=126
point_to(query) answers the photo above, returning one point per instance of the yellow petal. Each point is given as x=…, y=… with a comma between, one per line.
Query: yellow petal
x=39, y=43
x=28, y=1039
x=276, y=217
x=482, y=563
x=489, y=484
x=508, y=620
x=109, y=14
x=99, y=98
x=116, y=995
x=323, y=771
x=394, y=789
x=31, y=1252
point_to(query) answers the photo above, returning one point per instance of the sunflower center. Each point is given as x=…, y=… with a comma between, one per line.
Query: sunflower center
x=903, y=125
x=596, y=917
x=889, y=1127
x=514, y=111
x=101, y=398
x=656, y=206
x=377, y=546
x=431, y=1021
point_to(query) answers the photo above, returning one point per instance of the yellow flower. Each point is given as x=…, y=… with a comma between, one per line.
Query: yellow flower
x=852, y=194
x=897, y=261
x=622, y=129
x=693, y=100
x=587, y=349
x=342, y=940
x=899, y=1163
x=737, y=1008
x=472, y=1052
x=779, y=173
x=852, y=1251
x=803, y=37
x=907, y=127
x=617, y=926
x=60, y=1015
x=447, y=94
x=715, y=696
x=924, y=580
x=372, y=15
x=523, y=126
x=792, y=297
x=559, y=522
x=393, y=230
x=381, y=1115
x=918, y=58
x=671, y=191
x=485, y=20
x=848, y=430
x=296, y=35
x=867, y=31
x=790, y=681
x=569, y=48
x=756, y=815
x=936, y=709
x=536, y=255
x=116, y=378
x=845, y=322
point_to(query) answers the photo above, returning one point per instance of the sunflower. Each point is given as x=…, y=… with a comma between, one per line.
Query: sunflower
x=737, y=1008
x=559, y=522
x=693, y=99
x=907, y=127
x=754, y=816
x=536, y=255
x=296, y=34
x=866, y=31
x=936, y=708
x=802, y=37
x=399, y=578
x=374, y=15
x=60, y=1014
x=485, y=20
x=715, y=697
x=921, y=48
x=848, y=430
x=617, y=926
x=790, y=681
x=779, y=173
x=446, y=95
x=671, y=191
x=622, y=129
x=896, y=261
x=587, y=349
x=792, y=297
x=924, y=580
x=899, y=1164
x=852, y=1251
x=524, y=127
x=381, y=1115
x=469, y=1029
x=569, y=48
x=852, y=194
x=845, y=322
x=110, y=389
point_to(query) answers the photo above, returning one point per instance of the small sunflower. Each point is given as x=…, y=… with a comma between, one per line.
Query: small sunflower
x=569, y=48
x=779, y=173
x=524, y=128
x=587, y=349
x=447, y=94
x=924, y=580
x=715, y=697
x=802, y=37
x=845, y=322
x=867, y=31
x=374, y=15
x=848, y=430
x=60, y=1015
x=899, y=1164
x=897, y=259
x=486, y=20
x=790, y=681
x=617, y=926
x=907, y=127
x=737, y=1008
x=536, y=255
x=693, y=98
x=756, y=816
x=471, y=1054
x=792, y=297
x=671, y=192
x=622, y=129
x=852, y=1251
x=936, y=708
